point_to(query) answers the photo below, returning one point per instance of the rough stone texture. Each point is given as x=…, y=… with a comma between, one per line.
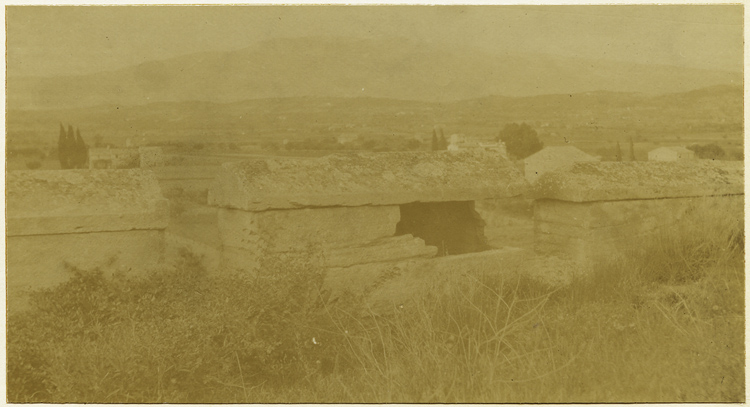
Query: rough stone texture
x=109, y=219
x=294, y=230
x=613, y=181
x=151, y=157
x=343, y=235
x=387, y=249
x=388, y=286
x=365, y=179
x=78, y=201
x=209, y=255
x=39, y=261
x=591, y=231
x=551, y=158
x=186, y=178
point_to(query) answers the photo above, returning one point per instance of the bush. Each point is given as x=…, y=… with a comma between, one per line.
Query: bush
x=33, y=164
x=520, y=140
x=173, y=336
x=710, y=151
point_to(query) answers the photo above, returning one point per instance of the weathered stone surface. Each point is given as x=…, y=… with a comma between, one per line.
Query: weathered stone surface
x=365, y=179
x=614, y=181
x=390, y=285
x=295, y=230
x=186, y=178
x=80, y=201
x=387, y=249
x=590, y=231
x=202, y=172
x=209, y=255
x=38, y=261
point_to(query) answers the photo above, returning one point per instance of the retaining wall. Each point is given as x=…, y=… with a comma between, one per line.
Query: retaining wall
x=109, y=219
x=596, y=211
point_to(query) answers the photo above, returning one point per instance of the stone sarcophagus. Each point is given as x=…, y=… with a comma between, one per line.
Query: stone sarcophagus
x=110, y=219
x=368, y=210
x=597, y=210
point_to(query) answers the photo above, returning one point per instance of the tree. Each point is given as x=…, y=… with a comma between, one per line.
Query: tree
x=708, y=151
x=632, y=150
x=63, y=153
x=413, y=144
x=81, y=151
x=520, y=140
x=71, y=149
x=618, y=152
x=434, y=141
x=442, y=143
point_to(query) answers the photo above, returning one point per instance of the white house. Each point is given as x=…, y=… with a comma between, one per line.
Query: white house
x=550, y=158
x=671, y=154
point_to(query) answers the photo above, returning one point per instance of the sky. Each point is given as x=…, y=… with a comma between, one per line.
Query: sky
x=71, y=40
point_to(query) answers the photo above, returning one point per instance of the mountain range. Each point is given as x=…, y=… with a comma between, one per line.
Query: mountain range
x=393, y=68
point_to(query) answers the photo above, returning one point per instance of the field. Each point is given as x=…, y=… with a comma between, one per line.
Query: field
x=665, y=324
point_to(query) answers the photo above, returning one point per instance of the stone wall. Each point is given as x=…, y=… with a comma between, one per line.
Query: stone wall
x=186, y=178
x=595, y=211
x=109, y=219
x=151, y=157
x=346, y=209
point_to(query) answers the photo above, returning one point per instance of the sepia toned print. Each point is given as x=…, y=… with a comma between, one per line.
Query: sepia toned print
x=375, y=204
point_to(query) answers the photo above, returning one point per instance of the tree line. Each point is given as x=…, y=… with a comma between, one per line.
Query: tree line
x=71, y=149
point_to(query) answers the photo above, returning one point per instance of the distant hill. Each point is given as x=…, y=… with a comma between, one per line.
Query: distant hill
x=392, y=68
x=589, y=115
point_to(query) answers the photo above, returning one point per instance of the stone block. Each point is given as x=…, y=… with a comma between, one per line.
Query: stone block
x=365, y=179
x=618, y=181
x=295, y=230
x=39, y=261
x=381, y=250
x=389, y=285
x=591, y=231
x=81, y=201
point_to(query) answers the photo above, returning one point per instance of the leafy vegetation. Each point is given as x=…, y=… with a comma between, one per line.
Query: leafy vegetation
x=521, y=140
x=663, y=323
x=711, y=151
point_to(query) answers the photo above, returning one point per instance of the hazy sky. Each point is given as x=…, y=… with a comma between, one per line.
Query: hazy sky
x=47, y=40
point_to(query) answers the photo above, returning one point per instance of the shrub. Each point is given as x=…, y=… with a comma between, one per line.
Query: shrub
x=172, y=336
x=33, y=164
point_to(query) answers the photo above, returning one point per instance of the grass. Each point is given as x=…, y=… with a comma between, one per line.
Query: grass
x=661, y=324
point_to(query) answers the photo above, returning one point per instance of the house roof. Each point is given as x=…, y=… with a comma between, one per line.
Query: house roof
x=568, y=152
x=676, y=149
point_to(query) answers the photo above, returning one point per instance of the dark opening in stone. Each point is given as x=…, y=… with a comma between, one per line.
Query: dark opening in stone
x=454, y=227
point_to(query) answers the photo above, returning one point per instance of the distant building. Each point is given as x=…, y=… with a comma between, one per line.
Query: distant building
x=459, y=142
x=105, y=158
x=671, y=154
x=551, y=158
x=346, y=138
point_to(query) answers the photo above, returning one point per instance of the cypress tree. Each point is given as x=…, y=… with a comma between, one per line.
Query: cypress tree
x=618, y=152
x=632, y=150
x=81, y=150
x=442, y=143
x=62, y=148
x=434, y=141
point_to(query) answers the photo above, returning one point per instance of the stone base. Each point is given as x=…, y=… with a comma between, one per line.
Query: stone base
x=39, y=261
x=387, y=286
x=381, y=250
x=588, y=232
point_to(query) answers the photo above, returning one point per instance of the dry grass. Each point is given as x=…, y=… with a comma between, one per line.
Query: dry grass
x=665, y=324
